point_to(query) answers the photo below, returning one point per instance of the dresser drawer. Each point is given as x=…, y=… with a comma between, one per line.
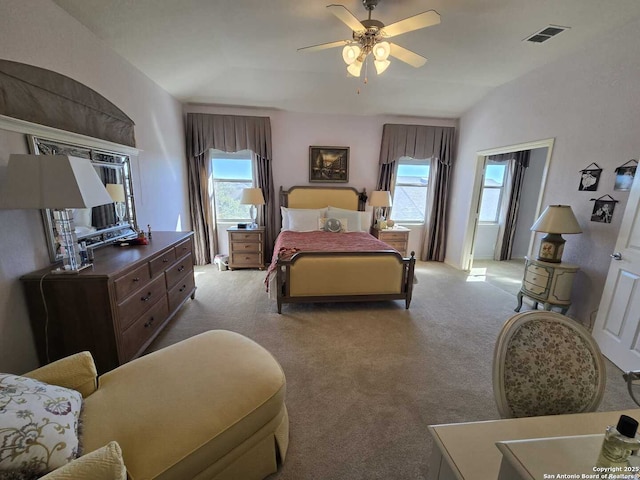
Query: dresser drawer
x=131, y=282
x=182, y=290
x=162, y=261
x=533, y=288
x=246, y=259
x=246, y=247
x=535, y=270
x=254, y=237
x=143, y=328
x=179, y=270
x=140, y=301
x=400, y=246
x=537, y=279
x=184, y=247
x=393, y=237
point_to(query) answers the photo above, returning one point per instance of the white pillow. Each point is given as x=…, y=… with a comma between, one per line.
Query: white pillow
x=366, y=219
x=303, y=220
x=285, y=214
x=354, y=219
x=39, y=425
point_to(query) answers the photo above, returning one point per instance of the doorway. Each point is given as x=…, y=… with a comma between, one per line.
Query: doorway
x=483, y=234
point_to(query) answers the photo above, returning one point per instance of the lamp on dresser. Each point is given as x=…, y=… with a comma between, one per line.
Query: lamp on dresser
x=58, y=182
x=253, y=197
x=554, y=221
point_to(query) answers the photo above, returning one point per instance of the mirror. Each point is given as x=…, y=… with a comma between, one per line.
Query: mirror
x=100, y=225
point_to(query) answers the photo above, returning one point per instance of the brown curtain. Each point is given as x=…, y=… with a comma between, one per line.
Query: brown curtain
x=422, y=142
x=48, y=98
x=518, y=164
x=228, y=133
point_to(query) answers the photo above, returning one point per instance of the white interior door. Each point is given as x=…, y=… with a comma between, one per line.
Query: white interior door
x=617, y=326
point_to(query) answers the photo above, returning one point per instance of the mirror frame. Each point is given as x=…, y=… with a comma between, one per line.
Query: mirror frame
x=100, y=158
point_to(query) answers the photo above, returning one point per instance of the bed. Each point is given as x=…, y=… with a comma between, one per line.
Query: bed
x=315, y=261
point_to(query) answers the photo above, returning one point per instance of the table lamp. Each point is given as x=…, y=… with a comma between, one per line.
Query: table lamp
x=116, y=192
x=554, y=221
x=380, y=199
x=253, y=197
x=58, y=182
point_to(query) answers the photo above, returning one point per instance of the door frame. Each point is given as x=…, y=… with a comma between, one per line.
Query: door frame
x=481, y=156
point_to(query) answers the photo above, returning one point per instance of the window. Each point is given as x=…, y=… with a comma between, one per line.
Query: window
x=410, y=191
x=492, y=190
x=231, y=173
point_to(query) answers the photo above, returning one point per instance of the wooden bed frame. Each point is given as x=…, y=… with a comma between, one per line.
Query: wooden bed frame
x=309, y=277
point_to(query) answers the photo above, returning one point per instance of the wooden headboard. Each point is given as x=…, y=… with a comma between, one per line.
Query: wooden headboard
x=320, y=197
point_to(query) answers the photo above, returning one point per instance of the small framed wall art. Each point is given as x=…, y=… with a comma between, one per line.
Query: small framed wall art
x=590, y=177
x=624, y=176
x=603, y=209
x=328, y=164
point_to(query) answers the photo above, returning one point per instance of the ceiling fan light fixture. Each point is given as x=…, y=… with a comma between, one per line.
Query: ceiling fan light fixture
x=381, y=51
x=381, y=65
x=350, y=53
x=354, y=68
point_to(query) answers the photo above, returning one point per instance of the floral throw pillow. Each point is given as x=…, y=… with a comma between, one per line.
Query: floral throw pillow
x=38, y=426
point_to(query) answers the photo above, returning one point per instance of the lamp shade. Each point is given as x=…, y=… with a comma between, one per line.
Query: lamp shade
x=380, y=198
x=51, y=181
x=557, y=219
x=116, y=191
x=252, y=196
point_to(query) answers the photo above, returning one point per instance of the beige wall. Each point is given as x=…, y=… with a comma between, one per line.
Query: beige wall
x=39, y=33
x=590, y=103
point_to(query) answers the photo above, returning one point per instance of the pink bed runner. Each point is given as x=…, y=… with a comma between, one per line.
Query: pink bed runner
x=289, y=243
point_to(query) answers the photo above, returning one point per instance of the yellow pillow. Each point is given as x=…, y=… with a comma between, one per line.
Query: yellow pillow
x=106, y=463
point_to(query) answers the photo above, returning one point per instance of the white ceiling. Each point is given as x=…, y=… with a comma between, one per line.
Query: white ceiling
x=244, y=52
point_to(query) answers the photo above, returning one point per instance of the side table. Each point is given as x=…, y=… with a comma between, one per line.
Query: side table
x=396, y=237
x=547, y=283
x=246, y=247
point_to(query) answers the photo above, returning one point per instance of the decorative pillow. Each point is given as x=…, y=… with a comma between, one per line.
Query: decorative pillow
x=106, y=463
x=304, y=220
x=353, y=218
x=334, y=225
x=285, y=214
x=38, y=426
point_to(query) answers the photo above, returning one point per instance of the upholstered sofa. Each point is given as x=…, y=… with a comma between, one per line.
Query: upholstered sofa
x=210, y=407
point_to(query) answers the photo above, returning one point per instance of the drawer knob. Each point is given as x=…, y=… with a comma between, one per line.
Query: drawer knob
x=165, y=260
x=184, y=287
x=181, y=268
x=146, y=299
x=136, y=279
x=149, y=322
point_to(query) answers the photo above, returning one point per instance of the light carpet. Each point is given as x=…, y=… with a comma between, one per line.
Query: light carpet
x=365, y=380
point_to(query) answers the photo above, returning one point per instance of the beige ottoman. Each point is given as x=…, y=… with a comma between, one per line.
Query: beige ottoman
x=208, y=407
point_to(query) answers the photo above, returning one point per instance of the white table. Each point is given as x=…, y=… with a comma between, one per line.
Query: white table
x=572, y=455
x=468, y=451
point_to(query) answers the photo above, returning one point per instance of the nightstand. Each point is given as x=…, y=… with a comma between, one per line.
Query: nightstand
x=547, y=283
x=396, y=237
x=246, y=247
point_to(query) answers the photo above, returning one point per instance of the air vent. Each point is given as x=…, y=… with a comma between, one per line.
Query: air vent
x=545, y=34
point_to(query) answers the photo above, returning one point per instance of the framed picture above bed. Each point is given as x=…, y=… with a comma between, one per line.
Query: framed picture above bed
x=328, y=164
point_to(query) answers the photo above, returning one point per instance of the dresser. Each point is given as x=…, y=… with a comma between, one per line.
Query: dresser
x=115, y=308
x=396, y=237
x=246, y=247
x=547, y=283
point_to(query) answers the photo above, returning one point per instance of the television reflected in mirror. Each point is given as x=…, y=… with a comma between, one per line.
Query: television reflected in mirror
x=100, y=225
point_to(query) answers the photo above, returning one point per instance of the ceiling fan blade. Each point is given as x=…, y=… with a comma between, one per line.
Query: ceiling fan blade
x=324, y=46
x=346, y=17
x=422, y=20
x=407, y=56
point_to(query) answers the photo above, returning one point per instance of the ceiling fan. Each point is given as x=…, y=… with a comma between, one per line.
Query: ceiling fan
x=370, y=36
